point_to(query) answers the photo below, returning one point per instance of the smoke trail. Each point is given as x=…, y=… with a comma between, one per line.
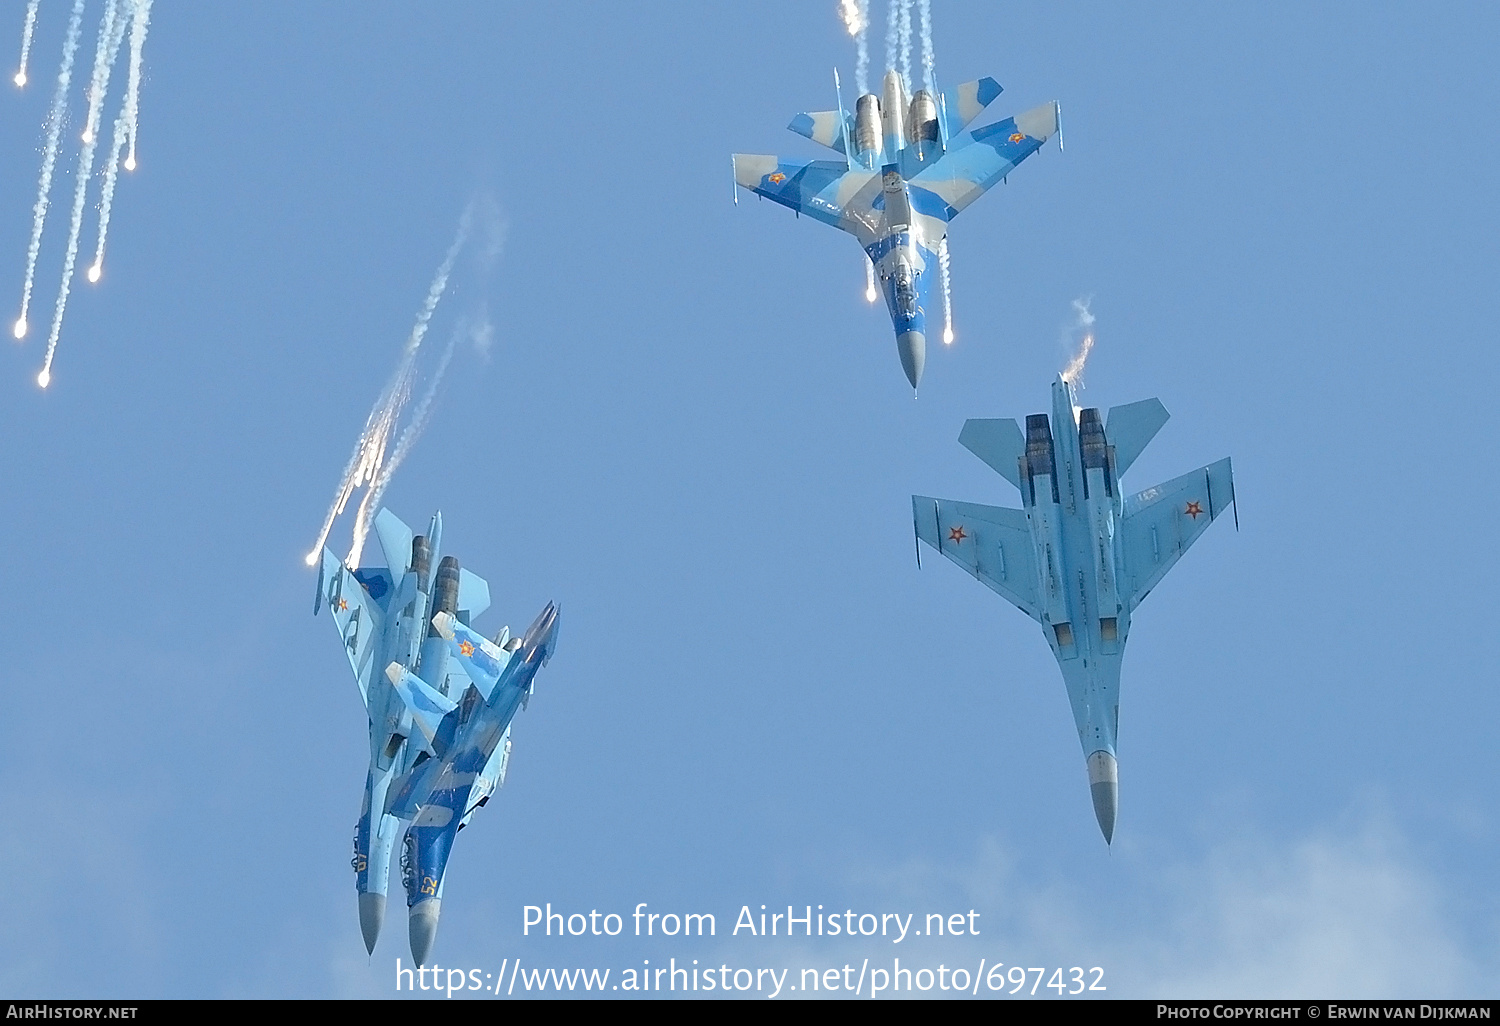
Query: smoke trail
x=138, y=25
x=49, y=159
x=409, y=436
x=904, y=29
x=31, y=7
x=924, y=22
x=104, y=54
x=369, y=452
x=122, y=133
x=870, y=293
x=947, y=292
x=856, y=18
x=1083, y=321
x=893, y=32
x=107, y=193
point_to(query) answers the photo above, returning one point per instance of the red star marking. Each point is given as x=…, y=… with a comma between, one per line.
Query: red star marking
x=1017, y=137
x=466, y=647
x=776, y=179
x=343, y=605
x=956, y=534
x=1193, y=509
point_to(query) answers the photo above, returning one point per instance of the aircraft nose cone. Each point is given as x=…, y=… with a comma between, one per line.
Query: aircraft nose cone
x=1104, y=785
x=371, y=917
x=422, y=928
x=912, y=345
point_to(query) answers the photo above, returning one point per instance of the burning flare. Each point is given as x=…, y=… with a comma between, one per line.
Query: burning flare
x=1083, y=322
x=26, y=32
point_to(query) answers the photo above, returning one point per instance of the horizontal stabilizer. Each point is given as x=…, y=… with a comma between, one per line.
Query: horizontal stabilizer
x=473, y=595
x=481, y=659
x=395, y=541
x=966, y=102
x=991, y=542
x=977, y=159
x=999, y=443
x=1160, y=523
x=1130, y=429
x=427, y=705
x=823, y=127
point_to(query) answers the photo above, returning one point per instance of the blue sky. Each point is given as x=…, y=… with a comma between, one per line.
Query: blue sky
x=692, y=432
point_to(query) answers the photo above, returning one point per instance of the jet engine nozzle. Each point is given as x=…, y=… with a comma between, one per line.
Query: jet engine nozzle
x=1039, y=459
x=867, y=128
x=1039, y=452
x=445, y=588
x=421, y=561
x=1091, y=443
x=922, y=125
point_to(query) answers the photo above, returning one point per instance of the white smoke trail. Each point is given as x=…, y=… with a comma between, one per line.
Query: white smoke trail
x=138, y=23
x=924, y=25
x=856, y=17
x=870, y=294
x=104, y=54
x=370, y=451
x=409, y=435
x=1083, y=321
x=107, y=193
x=947, y=292
x=26, y=32
x=905, y=32
x=893, y=32
x=49, y=159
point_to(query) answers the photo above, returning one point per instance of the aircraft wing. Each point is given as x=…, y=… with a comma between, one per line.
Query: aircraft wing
x=358, y=615
x=1160, y=523
x=991, y=542
x=826, y=190
x=977, y=159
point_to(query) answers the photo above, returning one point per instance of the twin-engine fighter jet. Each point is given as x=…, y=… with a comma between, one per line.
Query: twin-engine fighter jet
x=440, y=699
x=909, y=168
x=1081, y=556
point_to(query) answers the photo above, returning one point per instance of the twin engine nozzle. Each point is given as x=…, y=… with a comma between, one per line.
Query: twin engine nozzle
x=1093, y=449
x=444, y=588
x=883, y=125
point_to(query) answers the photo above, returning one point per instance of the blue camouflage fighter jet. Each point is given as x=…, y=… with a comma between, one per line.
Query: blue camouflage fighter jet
x=440, y=699
x=1081, y=555
x=909, y=168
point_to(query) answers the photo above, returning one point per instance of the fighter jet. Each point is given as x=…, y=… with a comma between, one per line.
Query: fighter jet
x=439, y=724
x=1081, y=555
x=909, y=168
